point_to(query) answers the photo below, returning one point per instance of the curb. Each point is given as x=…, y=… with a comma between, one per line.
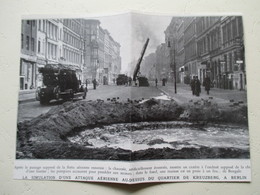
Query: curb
x=26, y=100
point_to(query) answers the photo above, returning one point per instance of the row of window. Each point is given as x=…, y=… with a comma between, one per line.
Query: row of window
x=30, y=22
x=208, y=43
x=41, y=47
x=73, y=25
x=232, y=29
x=72, y=40
x=212, y=41
x=189, y=32
x=52, y=30
x=190, y=50
x=27, y=42
x=72, y=56
x=204, y=23
x=52, y=51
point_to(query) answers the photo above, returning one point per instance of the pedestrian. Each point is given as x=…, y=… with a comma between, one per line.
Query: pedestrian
x=129, y=81
x=156, y=81
x=163, y=81
x=192, y=85
x=197, y=88
x=207, y=84
x=94, y=83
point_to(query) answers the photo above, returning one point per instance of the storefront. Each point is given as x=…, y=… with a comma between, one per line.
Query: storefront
x=27, y=73
x=40, y=63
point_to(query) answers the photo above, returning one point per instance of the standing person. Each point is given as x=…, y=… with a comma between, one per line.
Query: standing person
x=163, y=82
x=86, y=82
x=129, y=81
x=207, y=84
x=192, y=85
x=94, y=84
x=197, y=84
x=156, y=81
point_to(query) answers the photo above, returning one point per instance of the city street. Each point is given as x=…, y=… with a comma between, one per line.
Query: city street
x=31, y=109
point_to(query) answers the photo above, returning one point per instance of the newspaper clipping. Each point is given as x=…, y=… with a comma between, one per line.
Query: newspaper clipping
x=133, y=98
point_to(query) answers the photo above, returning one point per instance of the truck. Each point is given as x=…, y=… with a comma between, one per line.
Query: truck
x=59, y=82
x=122, y=79
x=142, y=80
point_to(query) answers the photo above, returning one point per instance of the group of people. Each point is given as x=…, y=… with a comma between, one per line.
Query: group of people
x=94, y=82
x=164, y=81
x=196, y=85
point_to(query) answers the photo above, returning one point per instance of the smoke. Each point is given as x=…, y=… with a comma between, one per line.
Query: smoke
x=143, y=27
x=142, y=30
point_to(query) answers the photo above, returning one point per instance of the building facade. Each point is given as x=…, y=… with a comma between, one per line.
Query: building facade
x=79, y=43
x=162, y=68
x=28, y=67
x=210, y=46
x=102, y=58
x=190, y=47
x=71, y=47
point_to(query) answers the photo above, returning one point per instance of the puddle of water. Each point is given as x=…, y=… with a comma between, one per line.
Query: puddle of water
x=174, y=135
x=161, y=97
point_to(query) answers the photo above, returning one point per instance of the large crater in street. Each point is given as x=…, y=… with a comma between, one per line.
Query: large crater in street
x=153, y=129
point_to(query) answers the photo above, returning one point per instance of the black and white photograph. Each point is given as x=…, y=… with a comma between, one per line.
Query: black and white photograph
x=133, y=87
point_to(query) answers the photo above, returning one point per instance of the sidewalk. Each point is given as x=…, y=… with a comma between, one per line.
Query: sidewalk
x=29, y=95
x=216, y=95
x=26, y=95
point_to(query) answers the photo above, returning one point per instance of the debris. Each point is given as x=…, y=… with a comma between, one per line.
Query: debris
x=46, y=136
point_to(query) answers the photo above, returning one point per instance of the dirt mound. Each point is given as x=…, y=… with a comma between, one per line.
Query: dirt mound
x=214, y=113
x=46, y=136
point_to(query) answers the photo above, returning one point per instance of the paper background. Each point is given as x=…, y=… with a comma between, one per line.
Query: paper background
x=10, y=15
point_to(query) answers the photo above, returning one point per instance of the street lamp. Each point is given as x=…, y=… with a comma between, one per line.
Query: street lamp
x=174, y=63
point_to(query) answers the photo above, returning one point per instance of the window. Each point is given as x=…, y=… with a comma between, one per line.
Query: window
x=44, y=25
x=28, y=21
x=32, y=42
x=39, y=46
x=49, y=28
x=43, y=47
x=55, y=51
x=240, y=26
x=229, y=32
x=27, y=42
x=230, y=61
x=49, y=50
x=40, y=24
x=234, y=28
x=22, y=41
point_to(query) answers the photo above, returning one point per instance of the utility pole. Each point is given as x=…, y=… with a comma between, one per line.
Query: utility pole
x=172, y=51
x=174, y=67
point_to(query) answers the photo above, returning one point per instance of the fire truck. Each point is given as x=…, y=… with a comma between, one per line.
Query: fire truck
x=59, y=82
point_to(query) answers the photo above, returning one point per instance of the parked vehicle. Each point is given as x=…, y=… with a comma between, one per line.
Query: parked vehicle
x=59, y=82
x=143, y=81
x=122, y=79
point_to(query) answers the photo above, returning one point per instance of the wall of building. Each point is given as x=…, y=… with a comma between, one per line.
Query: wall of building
x=211, y=46
x=80, y=43
x=28, y=55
